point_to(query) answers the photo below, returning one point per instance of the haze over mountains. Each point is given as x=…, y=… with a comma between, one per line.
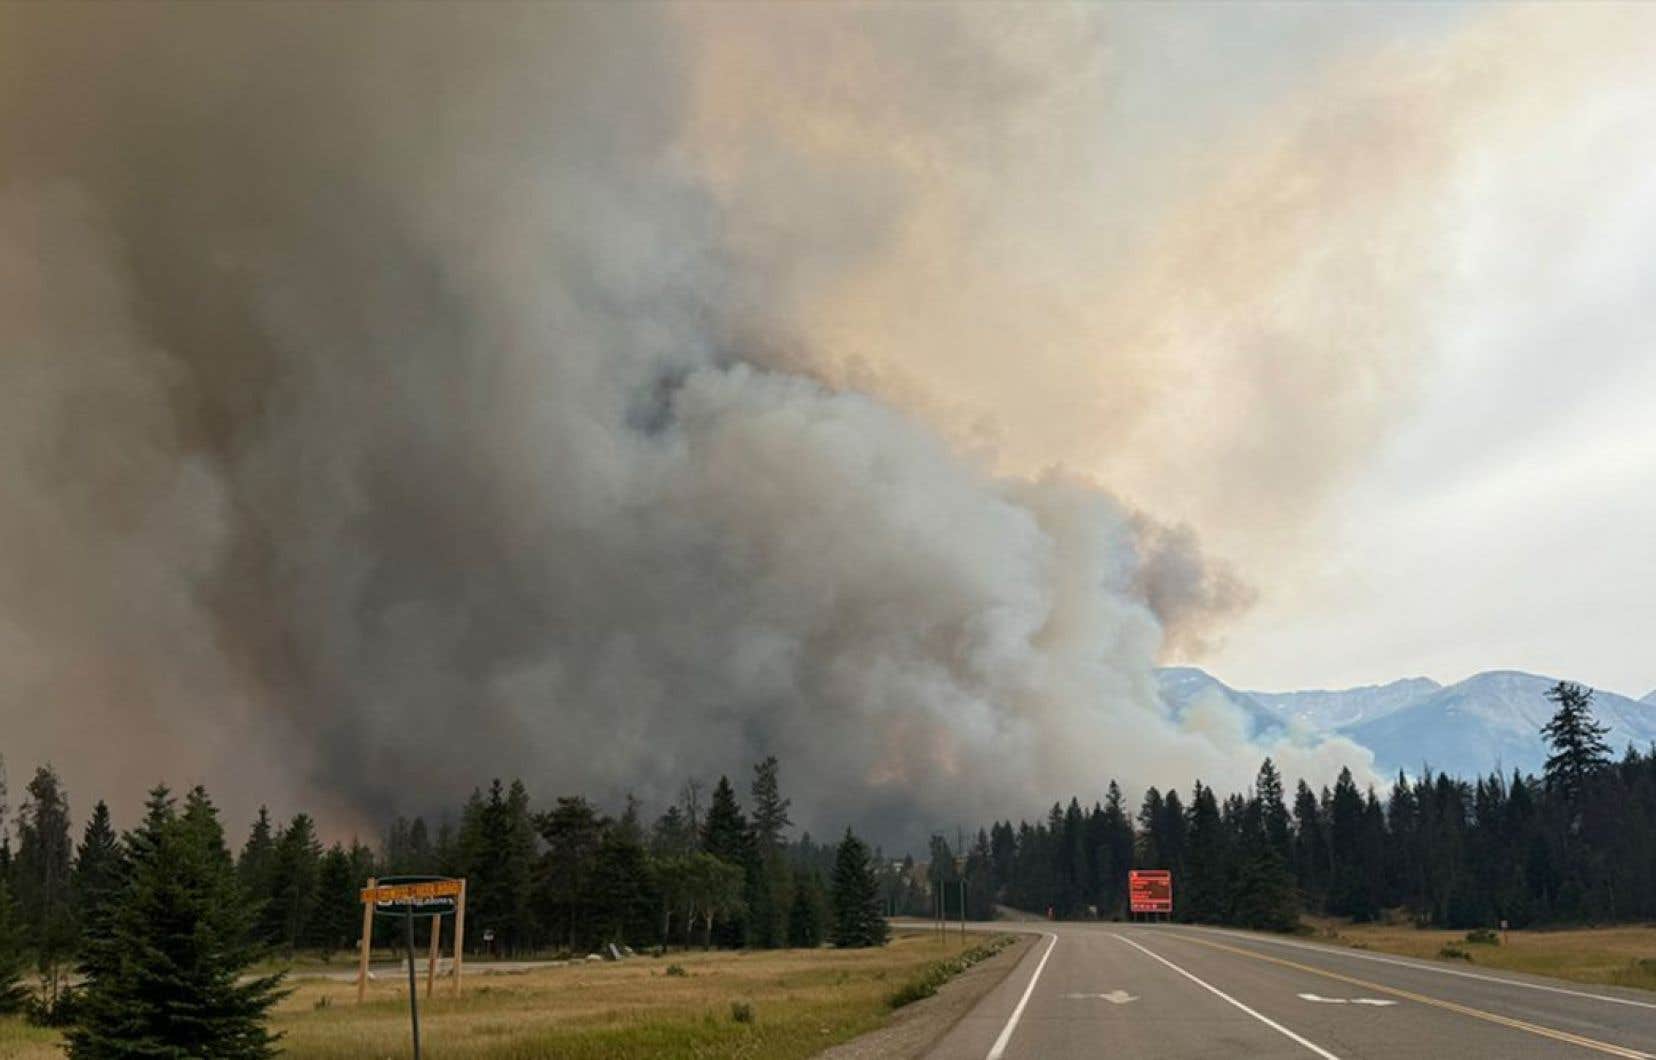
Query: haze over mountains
x=1490, y=720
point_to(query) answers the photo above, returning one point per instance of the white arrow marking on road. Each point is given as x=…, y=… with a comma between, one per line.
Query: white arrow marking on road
x=1348, y=1000
x=1114, y=997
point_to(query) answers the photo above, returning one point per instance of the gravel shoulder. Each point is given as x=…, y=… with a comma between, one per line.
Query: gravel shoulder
x=915, y=1028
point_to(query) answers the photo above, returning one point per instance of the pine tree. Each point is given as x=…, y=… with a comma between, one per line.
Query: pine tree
x=256, y=870
x=183, y=939
x=42, y=874
x=1206, y=893
x=857, y=918
x=295, y=874
x=1118, y=830
x=100, y=873
x=770, y=885
x=517, y=867
x=624, y=890
x=571, y=830
x=338, y=916
x=1577, y=741
x=725, y=835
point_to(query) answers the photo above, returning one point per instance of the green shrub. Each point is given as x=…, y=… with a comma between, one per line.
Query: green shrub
x=1483, y=937
x=741, y=1011
x=1454, y=952
x=677, y=971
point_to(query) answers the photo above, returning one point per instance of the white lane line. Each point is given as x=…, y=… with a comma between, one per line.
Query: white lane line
x=1210, y=988
x=999, y=1048
x=1336, y=951
x=1378, y=1002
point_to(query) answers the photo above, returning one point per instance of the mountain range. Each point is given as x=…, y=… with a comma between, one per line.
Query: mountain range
x=1489, y=721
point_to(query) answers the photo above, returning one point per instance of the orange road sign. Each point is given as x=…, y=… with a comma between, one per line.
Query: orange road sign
x=413, y=893
x=1150, y=891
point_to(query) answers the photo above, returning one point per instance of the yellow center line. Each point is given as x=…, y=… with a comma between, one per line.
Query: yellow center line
x=1452, y=1006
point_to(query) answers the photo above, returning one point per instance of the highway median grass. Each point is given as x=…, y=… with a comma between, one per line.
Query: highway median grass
x=1611, y=956
x=765, y=1005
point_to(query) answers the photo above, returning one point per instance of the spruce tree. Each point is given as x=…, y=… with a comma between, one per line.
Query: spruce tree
x=182, y=939
x=100, y=873
x=1577, y=741
x=572, y=830
x=725, y=835
x=1206, y=898
x=256, y=872
x=624, y=890
x=338, y=906
x=295, y=873
x=42, y=875
x=770, y=885
x=857, y=917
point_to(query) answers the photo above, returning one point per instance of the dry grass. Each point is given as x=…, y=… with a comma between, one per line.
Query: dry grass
x=802, y=1002
x=1617, y=956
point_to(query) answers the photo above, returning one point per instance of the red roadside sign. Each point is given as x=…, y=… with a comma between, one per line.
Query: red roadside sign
x=1150, y=891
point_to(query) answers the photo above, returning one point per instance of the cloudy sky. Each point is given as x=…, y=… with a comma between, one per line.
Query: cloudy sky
x=608, y=394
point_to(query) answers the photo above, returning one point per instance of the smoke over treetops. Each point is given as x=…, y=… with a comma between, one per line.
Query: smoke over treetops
x=393, y=401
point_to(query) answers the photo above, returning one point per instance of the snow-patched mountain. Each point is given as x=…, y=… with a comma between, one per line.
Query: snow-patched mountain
x=1185, y=687
x=1343, y=708
x=1490, y=720
x=1650, y=698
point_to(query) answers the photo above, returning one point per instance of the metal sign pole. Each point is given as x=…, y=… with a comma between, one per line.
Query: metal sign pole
x=413, y=993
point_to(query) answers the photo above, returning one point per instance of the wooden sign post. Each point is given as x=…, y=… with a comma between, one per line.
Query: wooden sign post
x=409, y=897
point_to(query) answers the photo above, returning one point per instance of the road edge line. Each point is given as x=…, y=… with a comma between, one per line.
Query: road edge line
x=1268, y=1021
x=997, y=1050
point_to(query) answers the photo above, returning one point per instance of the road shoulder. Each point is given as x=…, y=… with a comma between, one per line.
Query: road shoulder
x=915, y=1028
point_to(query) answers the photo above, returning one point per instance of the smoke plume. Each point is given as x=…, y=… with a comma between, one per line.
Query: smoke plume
x=596, y=395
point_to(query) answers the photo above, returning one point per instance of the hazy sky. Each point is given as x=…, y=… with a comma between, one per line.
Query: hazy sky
x=1505, y=516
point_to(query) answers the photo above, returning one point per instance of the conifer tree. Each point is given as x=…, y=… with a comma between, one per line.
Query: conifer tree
x=572, y=830
x=256, y=870
x=1206, y=893
x=725, y=835
x=806, y=913
x=295, y=873
x=338, y=916
x=624, y=889
x=770, y=885
x=42, y=875
x=183, y=938
x=857, y=918
x=1577, y=741
x=99, y=875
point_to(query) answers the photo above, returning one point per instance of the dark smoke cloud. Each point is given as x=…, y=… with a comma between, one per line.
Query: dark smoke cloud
x=387, y=408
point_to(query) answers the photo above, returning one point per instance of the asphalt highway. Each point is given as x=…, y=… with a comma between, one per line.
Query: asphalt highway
x=1166, y=991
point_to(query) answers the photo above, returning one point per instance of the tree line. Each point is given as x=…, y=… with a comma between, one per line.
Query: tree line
x=158, y=926
x=1576, y=844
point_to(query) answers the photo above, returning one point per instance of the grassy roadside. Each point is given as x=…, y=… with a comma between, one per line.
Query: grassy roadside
x=797, y=1002
x=1612, y=956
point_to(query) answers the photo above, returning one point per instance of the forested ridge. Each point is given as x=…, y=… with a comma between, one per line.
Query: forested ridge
x=1576, y=844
